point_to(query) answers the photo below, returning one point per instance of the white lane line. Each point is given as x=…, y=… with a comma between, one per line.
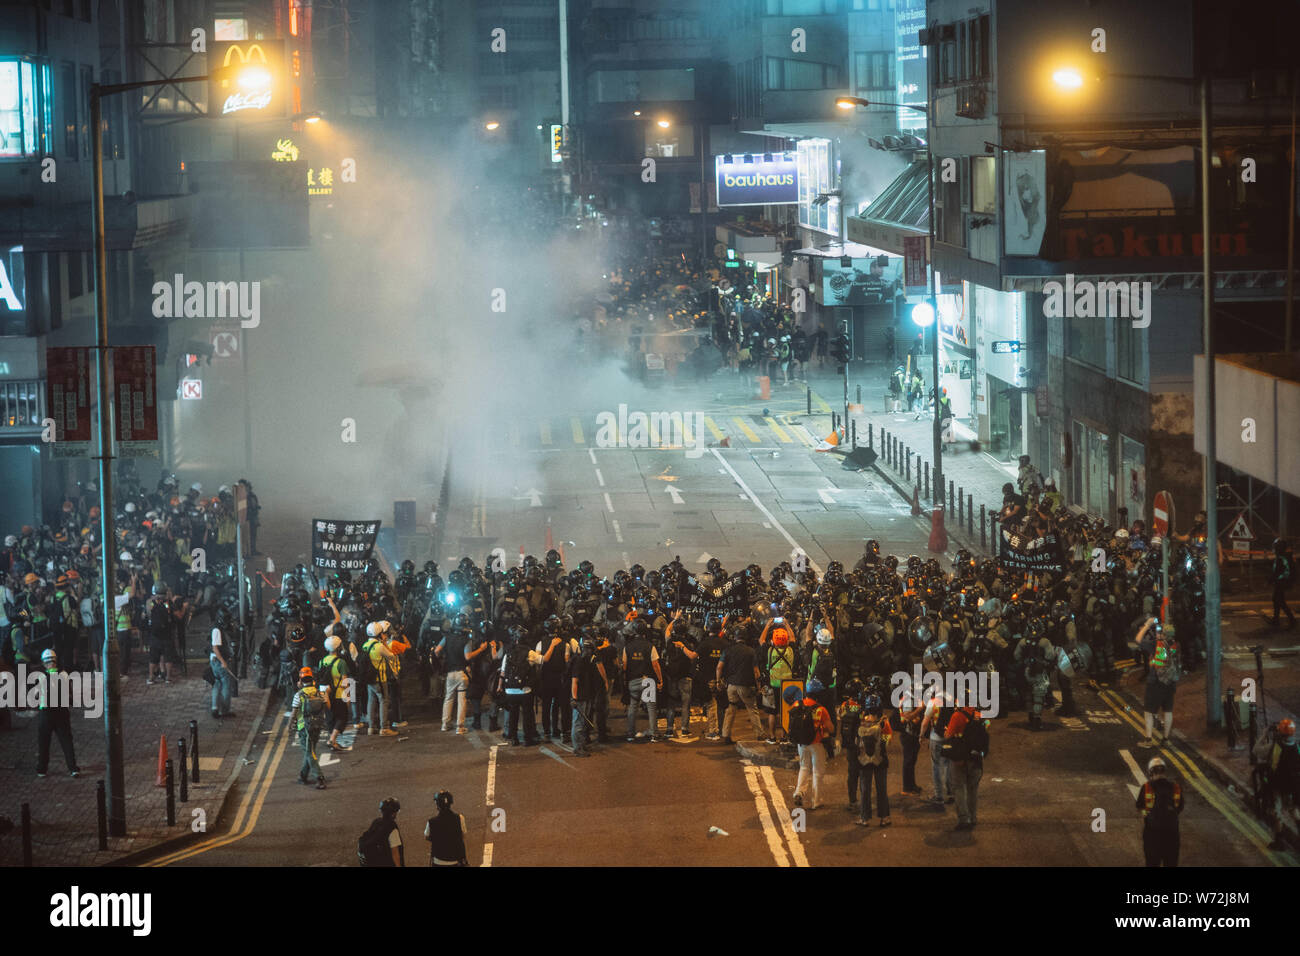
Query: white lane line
x=763, y=508
x=627, y=563
x=492, y=776
x=609, y=506
x=765, y=818
x=1138, y=775
x=554, y=756
x=592, y=453
x=787, y=825
x=618, y=532
x=600, y=479
x=487, y=854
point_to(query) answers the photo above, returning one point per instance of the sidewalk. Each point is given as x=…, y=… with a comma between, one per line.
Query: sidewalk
x=1232, y=767
x=64, y=816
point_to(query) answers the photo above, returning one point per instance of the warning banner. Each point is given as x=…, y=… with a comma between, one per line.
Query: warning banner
x=67, y=399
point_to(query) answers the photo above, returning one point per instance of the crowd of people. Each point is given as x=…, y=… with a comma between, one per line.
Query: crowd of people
x=540, y=652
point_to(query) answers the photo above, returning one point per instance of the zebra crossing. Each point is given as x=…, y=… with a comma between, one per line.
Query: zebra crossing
x=742, y=430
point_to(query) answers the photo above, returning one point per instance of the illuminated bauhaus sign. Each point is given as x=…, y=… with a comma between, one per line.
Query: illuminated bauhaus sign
x=246, y=77
x=756, y=179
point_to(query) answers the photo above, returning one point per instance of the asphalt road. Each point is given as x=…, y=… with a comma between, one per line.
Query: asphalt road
x=1063, y=797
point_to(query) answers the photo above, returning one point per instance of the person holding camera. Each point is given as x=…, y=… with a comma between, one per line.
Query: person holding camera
x=1164, y=668
x=161, y=627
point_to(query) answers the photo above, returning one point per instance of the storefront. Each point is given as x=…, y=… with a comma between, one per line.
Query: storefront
x=956, y=355
x=1001, y=403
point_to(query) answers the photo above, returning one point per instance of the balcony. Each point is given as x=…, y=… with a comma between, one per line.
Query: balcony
x=22, y=408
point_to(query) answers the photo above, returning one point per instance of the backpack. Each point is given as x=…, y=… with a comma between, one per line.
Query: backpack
x=366, y=673
x=803, y=725
x=676, y=663
x=518, y=671
x=372, y=846
x=314, y=708
x=973, y=741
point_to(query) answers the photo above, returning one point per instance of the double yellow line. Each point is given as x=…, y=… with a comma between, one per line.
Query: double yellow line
x=250, y=808
x=1247, y=825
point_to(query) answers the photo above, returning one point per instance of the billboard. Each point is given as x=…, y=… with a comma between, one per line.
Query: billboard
x=135, y=391
x=755, y=179
x=67, y=399
x=1025, y=202
x=866, y=282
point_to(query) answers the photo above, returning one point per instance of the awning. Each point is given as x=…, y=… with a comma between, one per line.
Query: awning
x=902, y=209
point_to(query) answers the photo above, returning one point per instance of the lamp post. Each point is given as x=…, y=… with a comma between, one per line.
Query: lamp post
x=1068, y=79
x=848, y=103
x=116, y=784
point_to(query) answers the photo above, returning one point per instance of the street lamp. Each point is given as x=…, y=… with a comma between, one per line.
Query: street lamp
x=1069, y=79
x=848, y=103
x=491, y=125
x=251, y=79
x=663, y=123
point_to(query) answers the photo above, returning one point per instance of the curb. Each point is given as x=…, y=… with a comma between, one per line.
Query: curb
x=171, y=844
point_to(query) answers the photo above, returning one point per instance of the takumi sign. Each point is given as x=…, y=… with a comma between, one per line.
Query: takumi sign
x=342, y=545
x=135, y=386
x=67, y=398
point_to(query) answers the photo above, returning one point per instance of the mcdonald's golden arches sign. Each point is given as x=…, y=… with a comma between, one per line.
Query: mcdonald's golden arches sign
x=227, y=97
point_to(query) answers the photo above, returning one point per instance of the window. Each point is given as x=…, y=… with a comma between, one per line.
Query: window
x=87, y=78
x=801, y=8
x=1130, y=352
x=786, y=74
x=25, y=128
x=1086, y=341
x=984, y=184
x=874, y=71
x=814, y=159
x=676, y=140
x=68, y=108
x=947, y=203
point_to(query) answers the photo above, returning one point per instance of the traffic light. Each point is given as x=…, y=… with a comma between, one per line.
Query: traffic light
x=840, y=351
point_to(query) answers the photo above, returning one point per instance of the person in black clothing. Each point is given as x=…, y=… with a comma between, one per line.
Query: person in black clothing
x=710, y=653
x=1161, y=801
x=551, y=685
x=53, y=720
x=738, y=670
x=605, y=657
x=446, y=834
x=1281, y=575
x=587, y=680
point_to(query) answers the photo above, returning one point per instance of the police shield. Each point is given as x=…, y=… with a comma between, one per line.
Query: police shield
x=1074, y=663
x=937, y=657
x=921, y=632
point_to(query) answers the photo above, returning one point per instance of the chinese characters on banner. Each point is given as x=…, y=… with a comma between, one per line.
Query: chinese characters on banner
x=1021, y=553
x=67, y=399
x=914, y=257
x=698, y=599
x=342, y=545
x=136, y=412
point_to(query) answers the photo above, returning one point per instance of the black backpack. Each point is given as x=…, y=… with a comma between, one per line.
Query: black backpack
x=366, y=673
x=677, y=664
x=803, y=724
x=973, y=741
x=518, y=672
x=372, y=846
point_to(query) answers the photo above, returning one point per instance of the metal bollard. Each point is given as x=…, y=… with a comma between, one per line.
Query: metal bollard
x=809, y=399
x=927, y=481
x=970, y=514
x=984, y=544
x=185, y=773
x=101, y=812
x=853, y=430
x=171, y=795
x=859, y=394
x=1254, y=730
x=952, y=493
x=909, y=464
x=27, y=834
x=1230, y=718
x=871, y=436
x=194, y=750
x=961, y=500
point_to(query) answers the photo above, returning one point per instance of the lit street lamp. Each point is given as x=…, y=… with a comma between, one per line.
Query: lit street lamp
x=252, y=79
x=1070, y=79
x=848, y=103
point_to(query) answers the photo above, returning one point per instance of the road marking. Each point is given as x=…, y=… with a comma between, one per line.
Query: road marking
x=592, y=453
x=674, y=494
x=250, y=808
x=578, y=437
x=609, y=505
x=487, y=854
x=492, y=775
x=600, y=479
x=1138, y=775
x=626, y=562
x=712, y=427
x=763, y=508
x=770, y=831
x=544, y=426
x=826, y=496
x=746, y=430
x=1251, y=829
x=618, y=532
x=780, y=433
x=553, y=755
x=787, y=825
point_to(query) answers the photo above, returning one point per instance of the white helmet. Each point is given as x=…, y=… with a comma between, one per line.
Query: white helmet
x=130, y=508
x=1155, y=764
x=370, y=630
x=125, y=557
x=332, y=644
x=11, y=540
x=196, y=487
x=49, y=657
x=823, y=636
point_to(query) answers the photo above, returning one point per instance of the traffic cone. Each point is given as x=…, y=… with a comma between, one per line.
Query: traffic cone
x=550, y=543
x=161, y=781
x=521, y=555
x=725, y=442
x=916, y=502
x=938, y=534
x=830, y=442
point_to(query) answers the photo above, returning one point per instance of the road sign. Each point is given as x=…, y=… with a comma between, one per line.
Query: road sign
x=191, y=388
x=1006, y=346
x=225, y=345
x=1163, y=510
x=1240, y=530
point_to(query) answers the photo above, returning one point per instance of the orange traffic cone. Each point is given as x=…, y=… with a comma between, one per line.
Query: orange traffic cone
x=916, y=502
x=938, y=534
x=162, y=762
x=725, y=442
x=830, y=442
